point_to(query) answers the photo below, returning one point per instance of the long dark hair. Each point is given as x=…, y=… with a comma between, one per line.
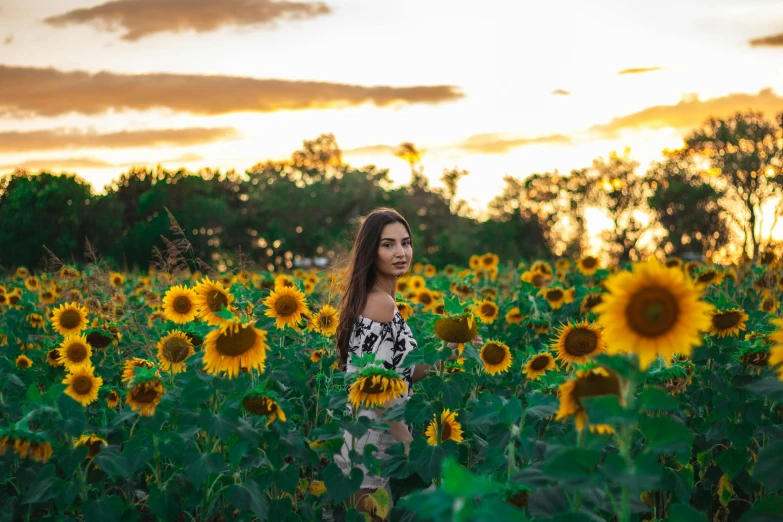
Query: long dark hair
x=360, y=274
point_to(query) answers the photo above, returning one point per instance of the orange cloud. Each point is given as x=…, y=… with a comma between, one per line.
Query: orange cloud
x=691, y=112
x=72, y=164
x=143, y=18
x=371, y=150
x=772, y=41
x=50, y=92
x=496, y=144
x=73, y=139
x=638, y=70
x=561, y=92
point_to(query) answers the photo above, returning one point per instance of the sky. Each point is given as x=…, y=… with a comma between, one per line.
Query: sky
x=495, y=87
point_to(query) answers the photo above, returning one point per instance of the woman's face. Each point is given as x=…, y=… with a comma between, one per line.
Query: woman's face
x=395, y=251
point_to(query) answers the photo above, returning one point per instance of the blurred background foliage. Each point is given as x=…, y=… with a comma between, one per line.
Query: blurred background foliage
x=710, y=197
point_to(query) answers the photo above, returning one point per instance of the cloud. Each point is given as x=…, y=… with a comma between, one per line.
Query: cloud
x=639, y=70
x=50, y=92
x=691, y=112
x=496, y=144
x=72, y=164
x=561, y=92
x=371, y=150
x=142, y=18
x=8, y=40
x=14, y=141
x=773, y=41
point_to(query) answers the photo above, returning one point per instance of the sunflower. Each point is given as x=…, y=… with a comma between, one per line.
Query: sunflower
x=35, y=320
x=23, y=362
x=447, y=429
x=542, y=267
x=263, y=402
x=767, y=257
x=450, y=270
x=406, y=310
x=652, y=311
x=486, y=311
x=593, y=382
x=563, y=264
x=173, y=350
x=537, y=279
x=3, y=299
x=286, y=305
x=32, y=283
x=53, y=357
x=538, y=365
x=283, y=281
x=489, y=260
x=474, y=262
x=541, y=326
x=326, y=320
x=589, y=301
x=82, y=384
x=179, y=304
x=588, y=265
x=690, y=268
x=514, y=316
x=430, y=271
x=69, y=318
x=557, y=297
x=22, y=272
x=576, y=343
x=425, y=298
x=92, y=442
x=769, y=303
x=113, y=399
x=74, y=351
x=768, y=280
x=210, y=299
x=673, y=262
x=129, y=369
x=496, y=357
x=66, y=272
x=145, y=396
x=116, y=279
x=47, y=296
x=233, y=345
x=374, y=386
x=25, y=444
x=416, y=283
x=727, y=322
x=402, y=285
x=463, y=291
x=13, y=297
x=708, y=276
x=457, y=329
x=318, y=354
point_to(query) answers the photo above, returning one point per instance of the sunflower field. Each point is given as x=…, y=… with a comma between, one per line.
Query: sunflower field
x=643, y=392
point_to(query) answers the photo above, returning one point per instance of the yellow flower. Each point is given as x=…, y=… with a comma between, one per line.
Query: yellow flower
x=514, y=316
x=47, y=296
x=210, y=299
x=576, y=343
x=233, y=345
x=447, y=429
x=416, y=283
x=537, y=279
x=430, y=271
x=590, y=301
x=593, y=382
x=261, y=404
x=542, y=267
x=557, y=297
x=375, y=386
x=23, y=362
x=129, y=369
x=92, y=442
x=74, y=351
x=179, y=305
x=69, y=318
x=113, y=399
x=173, y=350
x=588, y=265
x=82, y=384
x=769, y=303
x=53, y=357
x=538, y=365
x=563, y=264
x=32, y=283
x=22, y=272
x=489, y=260
x=727, y=322
x=145, y=396
x=406, y=310
x=35, y=320
x=487, y=311
x=317, y=488
x=652, y=311
x=673, y=262
x=116, y=279
x=426, y=298
x=286, y=305
x=496, y=357
x=459, y=329
x=707, y=277
x=326, y=320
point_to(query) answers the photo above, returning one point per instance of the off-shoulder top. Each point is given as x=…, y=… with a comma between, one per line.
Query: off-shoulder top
x=390, y=342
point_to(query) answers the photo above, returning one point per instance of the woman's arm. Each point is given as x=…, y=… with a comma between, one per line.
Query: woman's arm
x=420, y=371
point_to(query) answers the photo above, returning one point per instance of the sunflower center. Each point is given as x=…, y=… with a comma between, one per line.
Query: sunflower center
x=14, y=298
x=589, y=262
x=594, y=385
x=706, y=277
x=554, y=295
x=259, y=405
x=372, y=386
x=93, y=448
x=325, y=321
x=487, y=310
x=425, y=298
x=76, y=352
x=286, y=305
x=233, y=343
x=539, y=362
x=46, y=295
x=446, y=433
x=726, y=320
x=182, y=304
x=98, y=340
x=70, y=319
x=176, y=349
x=768, y=280
x=144, y=394
x=592, y=300
x=581, y=342
x=672, y=263
x=652, y=312
x=494, y=354
x=83, y=384
x=539, y=280
x=756, y=359
x=768, y=304
x=216, y=300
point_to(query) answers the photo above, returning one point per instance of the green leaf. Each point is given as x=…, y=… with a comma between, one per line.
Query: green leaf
x=453, y=391
x=418, y=410
x=768, y=509
x=201, y=465
x=33, y=395
x=138, y=451
x=195, y=392
x=279, y=509
x=770, y=387
x=572, y=464
x=164, y=505
x=453, y=306
x=606, y=409
x=731, y=462
x=768, y=466
x=541, y=405
x=107, y=509
x=249, y=497
x=225, y=313
x=428, y=463
x=72, y=415
x=459, y=482
x=69, y=459
x=657, y=399
x=41, y=491
x=220, y=425
x=113, y=462
x=685, y=513
x=340, y=486
x=665, y=435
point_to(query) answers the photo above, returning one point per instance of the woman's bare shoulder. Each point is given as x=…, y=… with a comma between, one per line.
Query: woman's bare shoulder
x=380, y=307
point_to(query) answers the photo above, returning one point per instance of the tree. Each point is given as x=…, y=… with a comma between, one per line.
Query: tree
x=742, y=158
x=450, y=180
x=409, y=153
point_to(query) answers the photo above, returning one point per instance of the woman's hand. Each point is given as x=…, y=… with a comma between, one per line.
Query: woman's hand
x=478, y=341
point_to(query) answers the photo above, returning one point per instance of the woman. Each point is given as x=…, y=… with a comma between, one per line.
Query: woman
x=371, y=323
